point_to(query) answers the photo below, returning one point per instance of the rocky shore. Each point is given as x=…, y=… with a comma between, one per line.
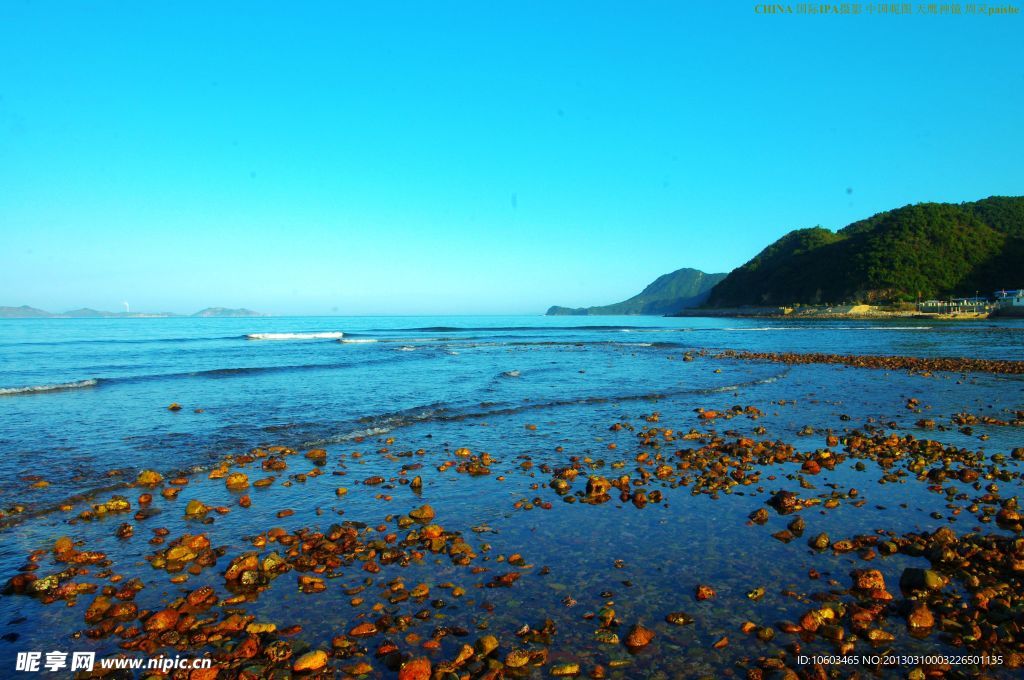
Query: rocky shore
x=417, y=555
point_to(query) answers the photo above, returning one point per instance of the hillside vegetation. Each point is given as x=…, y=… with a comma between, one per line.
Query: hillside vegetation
x=928, y=250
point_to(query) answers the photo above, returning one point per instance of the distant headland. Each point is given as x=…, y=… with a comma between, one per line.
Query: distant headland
x=939, y=260
x=26, y=312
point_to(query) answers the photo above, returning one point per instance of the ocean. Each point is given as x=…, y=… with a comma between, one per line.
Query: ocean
x=84, y=407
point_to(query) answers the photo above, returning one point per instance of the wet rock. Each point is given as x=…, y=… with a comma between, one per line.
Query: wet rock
x=639, y=637
x=679, y=618
x=565, y=670
x=920, y=617
x=149, y=478
x=868, y=579
x=317, y=456
x=63, y=546
x=310, y=662
x=364, y=629
x=879, y=636
x=598, y=486
x=759, y=516
x=196, y=508
x=415, y=669
x=356, y=669
x=560, y=486
x=485, y=645
x=704, y=592
x=784, y=502
x=1009, y=516
x=247, y=562
x=517, y=658
x=921, y=579
x=311, y=584
x=819, y=542
x=237, y=481
x=424, y=513
x=833, y=632
x=162, y=620
x=811, y=467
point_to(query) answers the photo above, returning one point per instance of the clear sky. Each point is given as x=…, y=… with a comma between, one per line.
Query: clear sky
x=468, y=157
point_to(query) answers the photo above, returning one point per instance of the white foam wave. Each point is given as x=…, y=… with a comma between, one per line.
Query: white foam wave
x=330, y=335
x=357, y=341
x=350, y=436
x=33, y=389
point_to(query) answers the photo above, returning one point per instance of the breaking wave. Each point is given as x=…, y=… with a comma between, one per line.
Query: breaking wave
x=327, y=335
x=35, y=389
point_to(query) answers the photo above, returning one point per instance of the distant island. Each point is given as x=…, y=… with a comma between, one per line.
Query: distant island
x=944, y=259
x=26, y=312
x=667, y=294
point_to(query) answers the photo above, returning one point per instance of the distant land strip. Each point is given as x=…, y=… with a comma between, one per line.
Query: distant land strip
x=895, y=363
x=26, y=312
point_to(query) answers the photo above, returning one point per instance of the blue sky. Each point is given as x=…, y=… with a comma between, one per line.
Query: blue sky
x=467, y=157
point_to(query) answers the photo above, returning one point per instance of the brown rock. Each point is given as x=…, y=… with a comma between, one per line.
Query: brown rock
x=237, y=481
x=639, y=637
x=149, y=478
x=310, y=661
x=365, y=629
x=704, y=592
x=920, y=617
x=415, y=669
x=868, y=579
x=598, y=486
x=424, y=513
x=164, y=619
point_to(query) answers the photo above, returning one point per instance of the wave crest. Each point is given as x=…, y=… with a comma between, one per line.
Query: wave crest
x=326, y=335
x=35, y=389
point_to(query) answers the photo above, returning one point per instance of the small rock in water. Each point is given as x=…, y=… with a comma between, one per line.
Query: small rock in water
x=704, y=592
x=639, y=637
x=679, y=618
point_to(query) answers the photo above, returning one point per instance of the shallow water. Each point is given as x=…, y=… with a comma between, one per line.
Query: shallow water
x=436, y=384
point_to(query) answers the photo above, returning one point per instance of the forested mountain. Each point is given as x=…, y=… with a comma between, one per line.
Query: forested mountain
x=928, y=250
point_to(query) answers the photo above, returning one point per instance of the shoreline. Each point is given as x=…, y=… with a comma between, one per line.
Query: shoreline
x=450, y=546
x=848, y=312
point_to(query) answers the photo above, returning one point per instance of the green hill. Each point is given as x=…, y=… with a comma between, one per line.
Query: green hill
x=929, y=249
x=669, y=293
